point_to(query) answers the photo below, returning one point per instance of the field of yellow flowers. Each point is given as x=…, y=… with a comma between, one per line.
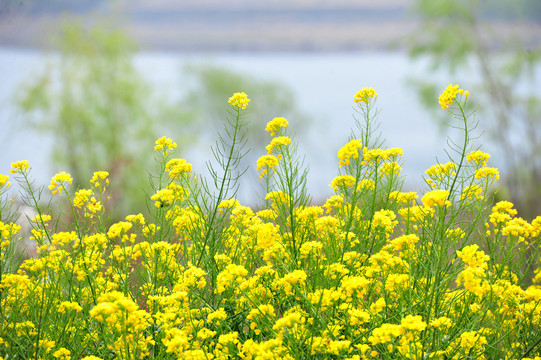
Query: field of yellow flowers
x=374, y=273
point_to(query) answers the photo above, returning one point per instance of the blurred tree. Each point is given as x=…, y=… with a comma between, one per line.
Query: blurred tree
x=97, y=109
x=463, y=38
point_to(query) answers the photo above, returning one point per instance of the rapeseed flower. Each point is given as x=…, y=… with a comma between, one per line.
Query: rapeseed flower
x=449, y=95
x=413, y=322
x=436, y=198
x=57, y=182
x=266, y=163
x=62, y=354
x=276, y=125
x=239, y=100
x=4, y=180
x=342, y=181
x=349, y=151
x=385, y=333
x=177, y=167
x=380, y=155
x=98, y=177
x=164, y=143
x=487, y=172
x=277, y=142
x=478, y=157
x=81, y=197
x=19, y=166
x=365, y=95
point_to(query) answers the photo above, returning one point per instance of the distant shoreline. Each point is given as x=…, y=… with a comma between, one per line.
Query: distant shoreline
x=170, y=26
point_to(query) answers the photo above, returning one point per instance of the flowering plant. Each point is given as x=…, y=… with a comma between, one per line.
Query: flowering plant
x=373, y=273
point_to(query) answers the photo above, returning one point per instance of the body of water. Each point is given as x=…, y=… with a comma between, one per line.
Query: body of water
x=324, y=86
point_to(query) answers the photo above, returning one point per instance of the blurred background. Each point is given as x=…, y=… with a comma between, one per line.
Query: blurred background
x=89, y=85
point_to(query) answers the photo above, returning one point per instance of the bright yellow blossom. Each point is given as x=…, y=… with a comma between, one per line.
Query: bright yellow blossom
x=342, y=181
x=98, y=177
x=349, y=151
x=19, y=166
x=266, y=163
x=277, y=142
x=487, y=172
x=275, y=124
x=57, y=182
x=165, y=143
x=239, y=99
x=365, y=95
x=436, y=198
x=449, y=95
x=4, y=180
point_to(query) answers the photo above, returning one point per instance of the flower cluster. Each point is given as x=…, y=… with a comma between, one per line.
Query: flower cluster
x=447, y=98
x=372, y=272
x=239, y=100
x=276, y=124
x=365, y=95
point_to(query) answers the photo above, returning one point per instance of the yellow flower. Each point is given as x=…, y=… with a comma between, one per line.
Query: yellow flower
x=232, y=276
x=478, y=157
x=471, y=339
x=62, y=354
x=4, y=180
x=289, y=279
x=473, y=257
x=216, y=316
x=8, y=230
x=349, y=151
x=391, y=168
x=240, y=100
x=19, y=166
x=414, y=323
x=67, y=306
x=275, y=124
x=228, y=204
x=472, y=191
x=47, y=345
x=403, y=197
x=342, y=181
x=118, y=229
x=81, y=197
x=57, y=182
x=379, y=155
x=94, y=206
x=265, y=163
x=334, y=202
x=163, y=197
x=278, y=141
x=449, y=95
x=443, y=321
x=289, y=320
x=385, y=333
x=177, y=167
x=436, y=198
x=439, y=171
x=486, y=172
x=267, y=235
x=99, y=176
x=365, y=95
x=165, y=143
